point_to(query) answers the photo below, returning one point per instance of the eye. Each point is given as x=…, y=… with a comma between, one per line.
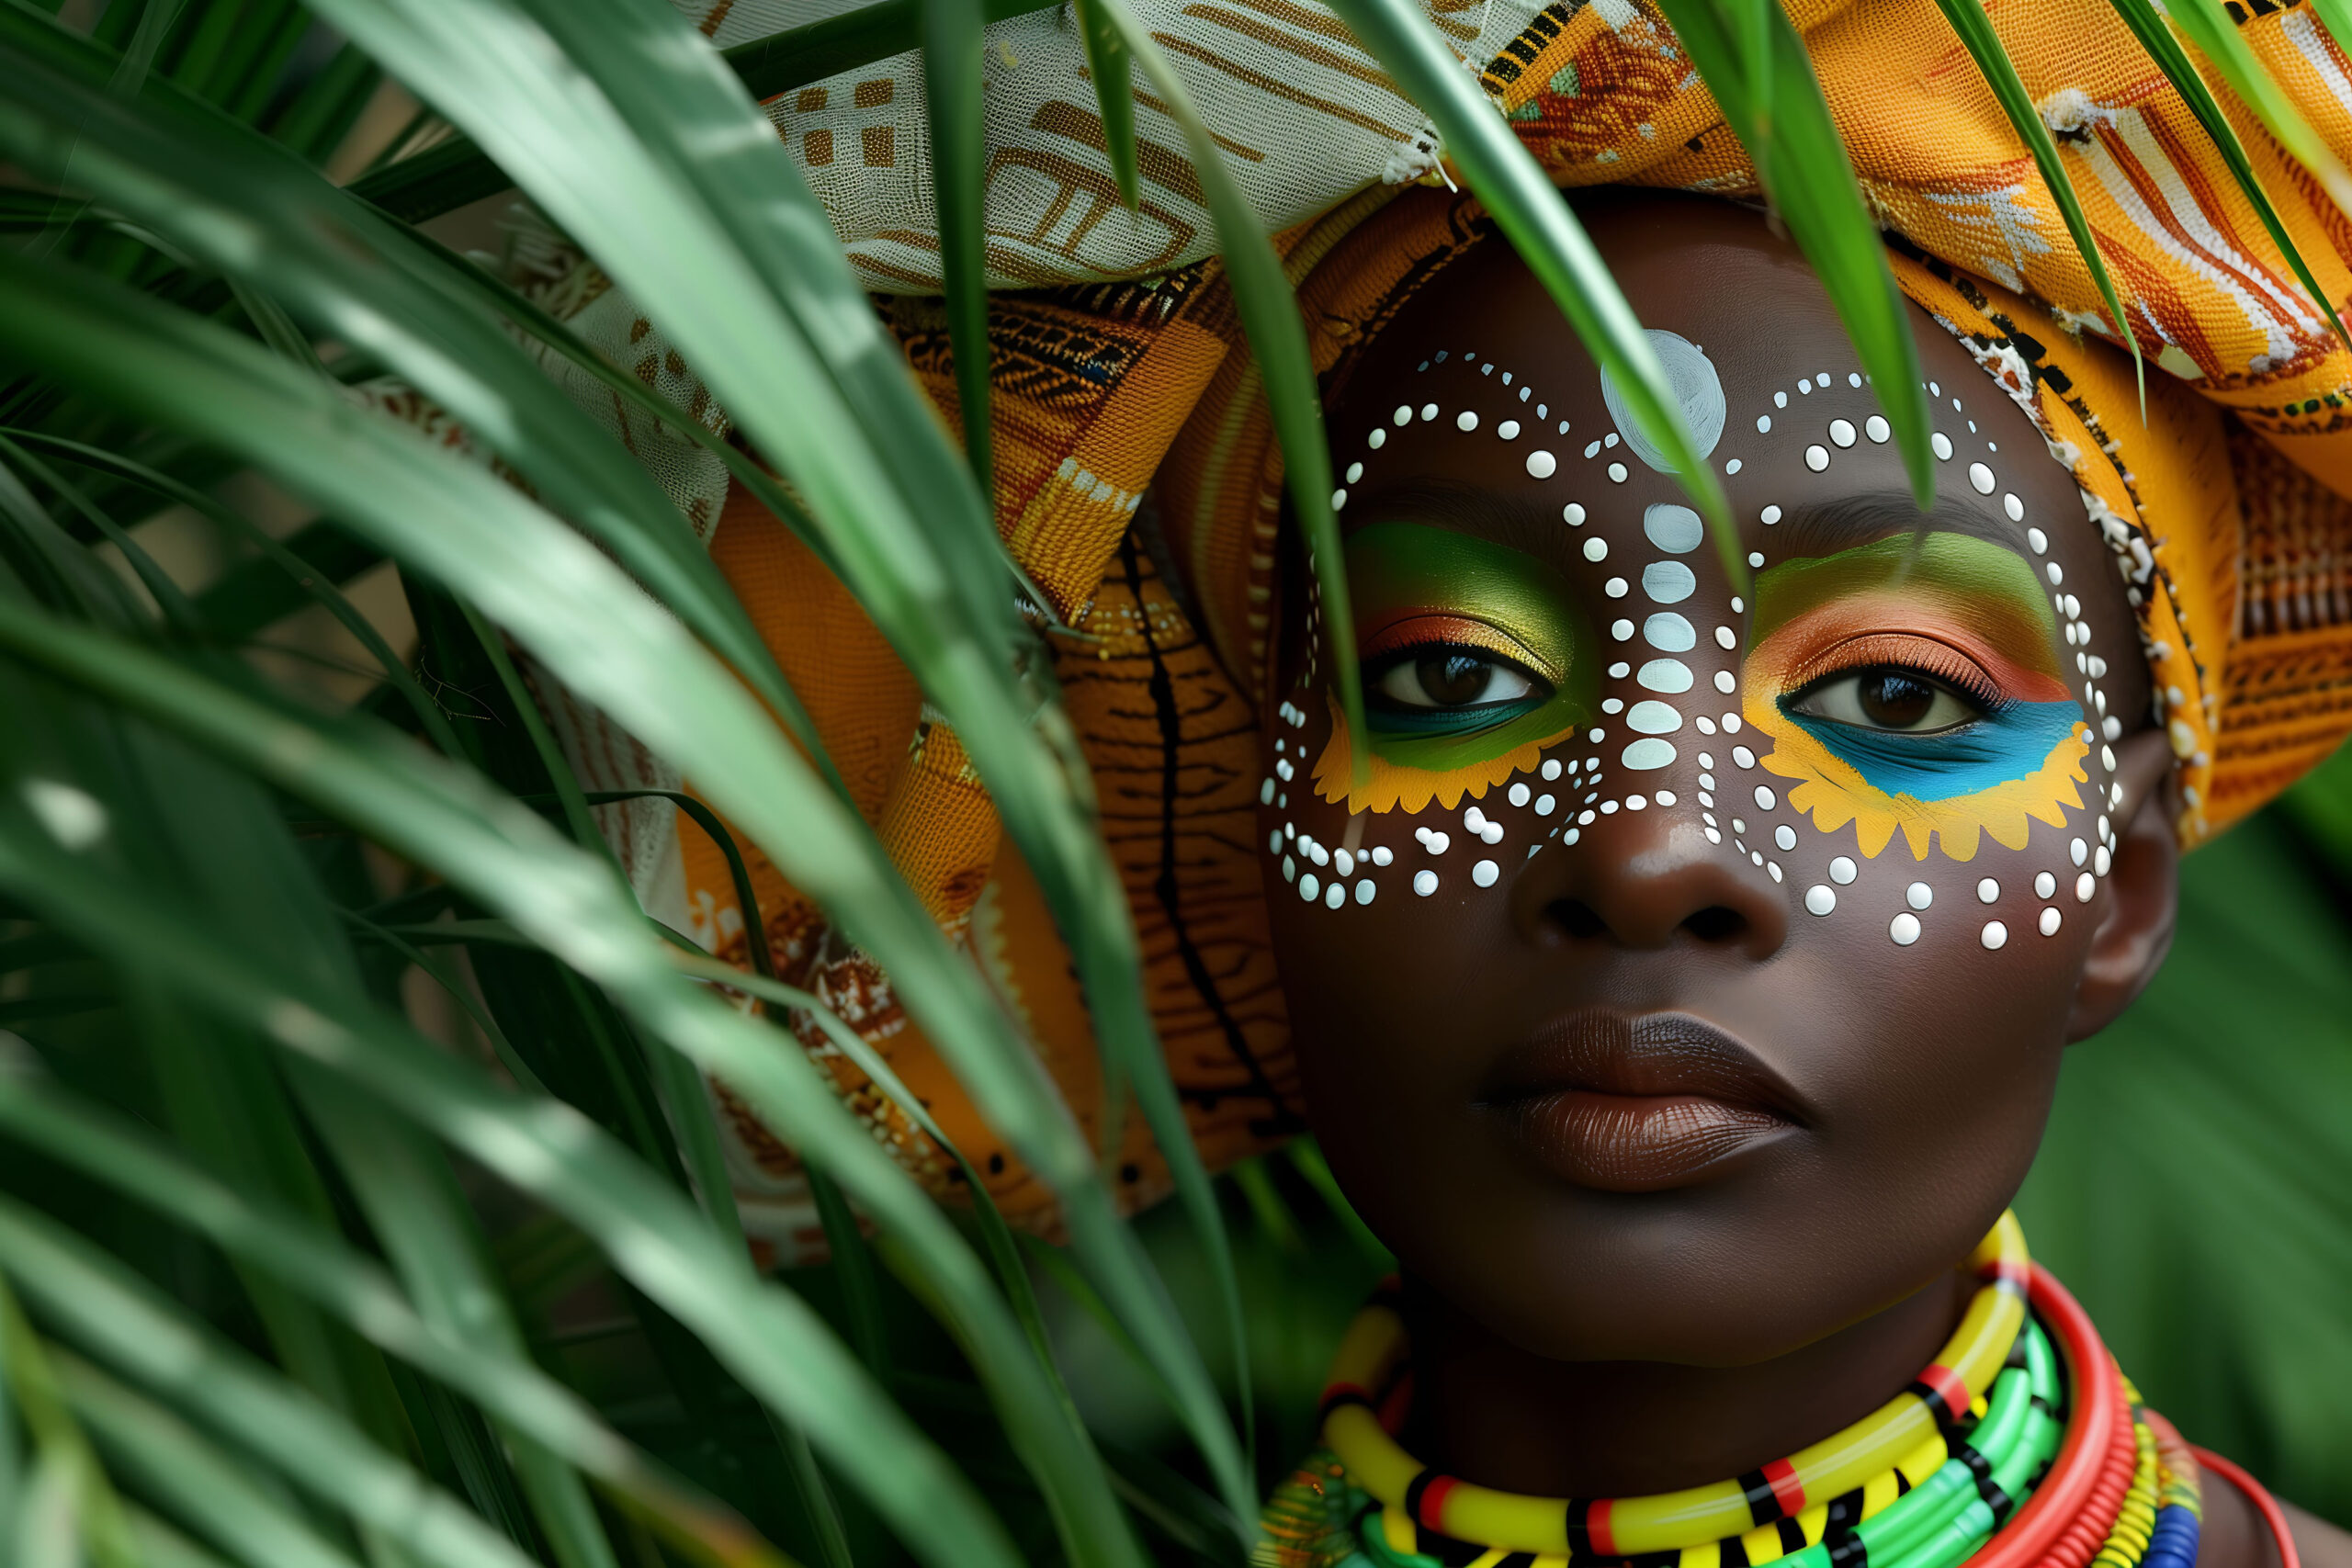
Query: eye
x=1444, y=677
x=1889, y=698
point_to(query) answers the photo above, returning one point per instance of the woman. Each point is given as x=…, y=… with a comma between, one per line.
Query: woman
x=1679, y=987
x=1683, y=999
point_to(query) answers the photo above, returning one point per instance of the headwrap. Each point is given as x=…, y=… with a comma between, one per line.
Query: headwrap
x=1123, y=393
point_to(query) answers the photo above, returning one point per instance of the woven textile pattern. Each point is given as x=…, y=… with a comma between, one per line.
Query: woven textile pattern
x=1272, y=78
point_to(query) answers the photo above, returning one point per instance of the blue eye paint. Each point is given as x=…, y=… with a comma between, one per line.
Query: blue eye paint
x=2009, y=742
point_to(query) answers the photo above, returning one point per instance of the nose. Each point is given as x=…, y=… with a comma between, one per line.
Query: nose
x=1650, y=880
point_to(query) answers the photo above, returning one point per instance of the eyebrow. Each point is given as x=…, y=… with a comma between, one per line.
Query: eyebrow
x=1514, y=521
x=1826, y=527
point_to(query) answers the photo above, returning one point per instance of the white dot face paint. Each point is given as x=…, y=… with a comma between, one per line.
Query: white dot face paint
x=2045, y=886
x=2039, y=540
x=1726, y=639
x=1465, y=420
x=1382, y=856
x=1334, y=895
x=1668, y=582
x=1994, y=936
x=2050, y=920
x=1769, y=515
x=1820, y=900
x=1617, y=473
x=1669, y=633
x=1785, y=837
x=1903, y=929
x=1364, y=891
x=1508, y=430
x=1596, y=548
x=1877, y=429
x=1572, y=514
x=1941, y=446
x=1841, y=432
x=1980, y=478
x=1541, y=463
x=1653, y=718
x=1725, y=682
x=1308, y=887
x=1691, y=377
x=1425, y=883
x=2084, y=886
x=1621, y=630
x=1669, y=675
x=1615, y=588
x=1988, y=891
x=1842, y=871
x=1677, y=530
x=1764, y=798
x=1485, y=872
x=1919, y=895
x=1816, y=457
x=1647, y=755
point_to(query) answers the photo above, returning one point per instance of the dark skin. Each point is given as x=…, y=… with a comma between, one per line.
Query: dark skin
x=1621, y=1279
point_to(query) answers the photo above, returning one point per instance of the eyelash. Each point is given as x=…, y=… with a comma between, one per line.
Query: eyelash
x=1939, y=662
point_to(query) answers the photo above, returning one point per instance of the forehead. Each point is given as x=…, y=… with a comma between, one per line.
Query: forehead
x=1477, y=407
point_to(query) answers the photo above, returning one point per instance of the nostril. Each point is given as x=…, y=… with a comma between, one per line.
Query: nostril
x=1715, y=924
x=1578, y=919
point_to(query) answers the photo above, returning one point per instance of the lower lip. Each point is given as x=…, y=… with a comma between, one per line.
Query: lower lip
x=1625, y=1142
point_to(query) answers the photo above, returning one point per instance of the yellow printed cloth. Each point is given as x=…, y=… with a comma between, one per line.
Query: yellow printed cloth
x=1123, y=390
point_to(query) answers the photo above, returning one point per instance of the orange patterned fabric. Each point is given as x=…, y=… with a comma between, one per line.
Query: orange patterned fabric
x=1116, y=397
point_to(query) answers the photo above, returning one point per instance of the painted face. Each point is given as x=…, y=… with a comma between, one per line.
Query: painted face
x=1688, y=978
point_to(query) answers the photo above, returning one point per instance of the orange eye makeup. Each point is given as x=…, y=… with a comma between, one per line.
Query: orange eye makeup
x=1473, y=653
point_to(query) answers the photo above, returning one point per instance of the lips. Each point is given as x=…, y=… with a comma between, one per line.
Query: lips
x=1640, y=1104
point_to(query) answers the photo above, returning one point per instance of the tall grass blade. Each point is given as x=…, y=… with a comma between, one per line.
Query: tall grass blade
x=2148, y=26
x=510, y=859
x=701, y=215
x=1533, y=214
x=771, y=1339
x=354, y=1289
x=203, y=1483
x=96, y=1302
x=1789, y=134
x=1108, y=62
x=2210, y=27
x=1977, y=35
x=959, y=151
x=194, y=175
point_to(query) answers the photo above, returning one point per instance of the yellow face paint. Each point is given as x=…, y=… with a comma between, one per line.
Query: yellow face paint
x=1433, y=607
x=1968, y=614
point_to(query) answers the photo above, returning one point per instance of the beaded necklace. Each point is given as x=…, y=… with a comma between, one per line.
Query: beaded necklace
x=2020, y=1434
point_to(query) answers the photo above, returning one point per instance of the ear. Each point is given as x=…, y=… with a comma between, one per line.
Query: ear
x=2142, y=889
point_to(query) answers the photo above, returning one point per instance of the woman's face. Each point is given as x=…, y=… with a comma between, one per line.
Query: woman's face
x=1688, y=976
